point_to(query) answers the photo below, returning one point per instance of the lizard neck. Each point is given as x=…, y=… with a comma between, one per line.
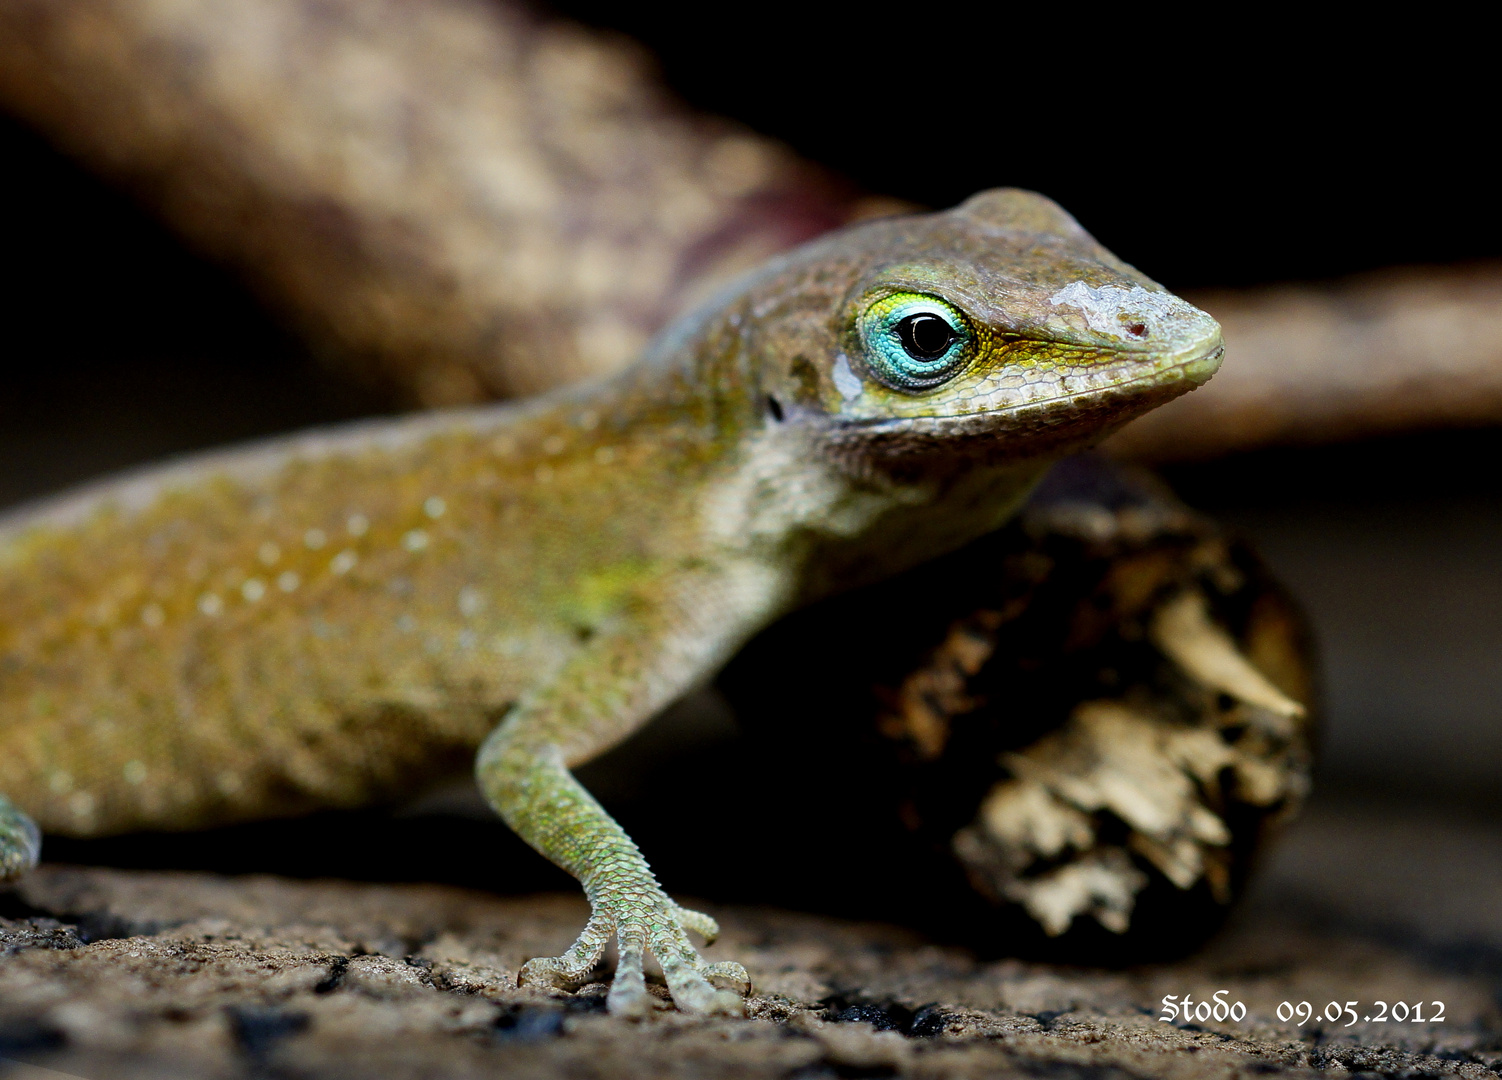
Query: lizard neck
x=788, y=500
x=778, y=491
x=919, y=522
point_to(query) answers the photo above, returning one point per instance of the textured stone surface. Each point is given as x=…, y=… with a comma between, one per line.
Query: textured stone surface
x=111, y=973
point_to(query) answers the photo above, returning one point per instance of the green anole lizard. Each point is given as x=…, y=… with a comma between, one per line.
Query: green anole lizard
x=334, y=618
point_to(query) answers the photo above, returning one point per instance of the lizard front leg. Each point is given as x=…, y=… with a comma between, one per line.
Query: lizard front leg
x=620, y=680
x=20, y=841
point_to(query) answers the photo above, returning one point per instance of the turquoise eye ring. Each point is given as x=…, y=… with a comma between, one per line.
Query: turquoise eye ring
x=914, y=342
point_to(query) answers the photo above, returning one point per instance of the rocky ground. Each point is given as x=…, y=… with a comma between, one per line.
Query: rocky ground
x=161, y=974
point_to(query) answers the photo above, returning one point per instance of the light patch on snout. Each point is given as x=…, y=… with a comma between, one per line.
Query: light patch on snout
x=1131, y=314
x=845, y=380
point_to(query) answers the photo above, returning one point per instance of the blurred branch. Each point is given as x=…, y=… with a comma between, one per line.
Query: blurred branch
x=462, y=200
x=459, y=201
x=1399, y=350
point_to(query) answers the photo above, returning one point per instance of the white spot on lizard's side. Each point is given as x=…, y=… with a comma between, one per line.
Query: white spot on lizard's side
x=81, y=804
x=269, y=553
x=845, y=380
x=415, y=540
x=253, y=589
x=1114, y=309
x=357, y=525
x=434, y=507
x=343, y=562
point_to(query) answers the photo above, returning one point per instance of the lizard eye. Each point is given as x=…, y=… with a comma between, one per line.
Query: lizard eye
x=914, y=342
x=925, y=337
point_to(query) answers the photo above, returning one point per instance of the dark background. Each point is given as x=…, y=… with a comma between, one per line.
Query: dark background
x=1230, y=147
x=1265, y=151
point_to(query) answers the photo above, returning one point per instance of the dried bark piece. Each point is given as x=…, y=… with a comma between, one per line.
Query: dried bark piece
x=1033, y=733
x=1183, y=629
x=1197, y=730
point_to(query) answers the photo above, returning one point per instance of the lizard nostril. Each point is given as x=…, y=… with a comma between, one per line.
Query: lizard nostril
x=1138, y=330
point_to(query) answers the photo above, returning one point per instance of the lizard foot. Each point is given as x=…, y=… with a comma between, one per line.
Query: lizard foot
x=642, y=924
x=20, y=841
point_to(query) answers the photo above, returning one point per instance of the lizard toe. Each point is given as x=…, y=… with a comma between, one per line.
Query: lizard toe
x=547, y=972
x=688, y=976
x=628, y=995
x=693, y=993
x=572, y=968
x=728, y=975
x=698, y=922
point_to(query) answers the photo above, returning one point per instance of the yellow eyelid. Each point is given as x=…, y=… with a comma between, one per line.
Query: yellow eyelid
x=885, y=300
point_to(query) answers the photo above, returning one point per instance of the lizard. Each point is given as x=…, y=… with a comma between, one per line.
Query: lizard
x=336, y=617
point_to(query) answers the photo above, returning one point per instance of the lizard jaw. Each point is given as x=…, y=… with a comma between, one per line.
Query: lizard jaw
x=1044, y=427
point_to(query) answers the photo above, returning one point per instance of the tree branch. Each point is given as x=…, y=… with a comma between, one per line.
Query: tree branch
x=457, y=201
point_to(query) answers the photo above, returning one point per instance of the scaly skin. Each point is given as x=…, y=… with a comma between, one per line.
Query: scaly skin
x=339, y=618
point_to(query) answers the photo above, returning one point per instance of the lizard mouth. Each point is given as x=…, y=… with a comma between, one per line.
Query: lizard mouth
x=1129, y=396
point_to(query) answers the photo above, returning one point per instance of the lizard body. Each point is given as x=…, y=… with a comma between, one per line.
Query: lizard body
x=336, y=618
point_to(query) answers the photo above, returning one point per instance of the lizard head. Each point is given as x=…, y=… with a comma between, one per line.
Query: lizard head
x=997, y=329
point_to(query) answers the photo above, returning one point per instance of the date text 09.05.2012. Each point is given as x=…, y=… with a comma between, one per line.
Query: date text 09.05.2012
x=1220, y=1008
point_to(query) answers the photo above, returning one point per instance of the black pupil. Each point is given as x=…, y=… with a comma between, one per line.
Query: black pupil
x=925, y=337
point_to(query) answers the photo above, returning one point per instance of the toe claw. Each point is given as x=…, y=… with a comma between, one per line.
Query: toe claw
x=728, y=972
